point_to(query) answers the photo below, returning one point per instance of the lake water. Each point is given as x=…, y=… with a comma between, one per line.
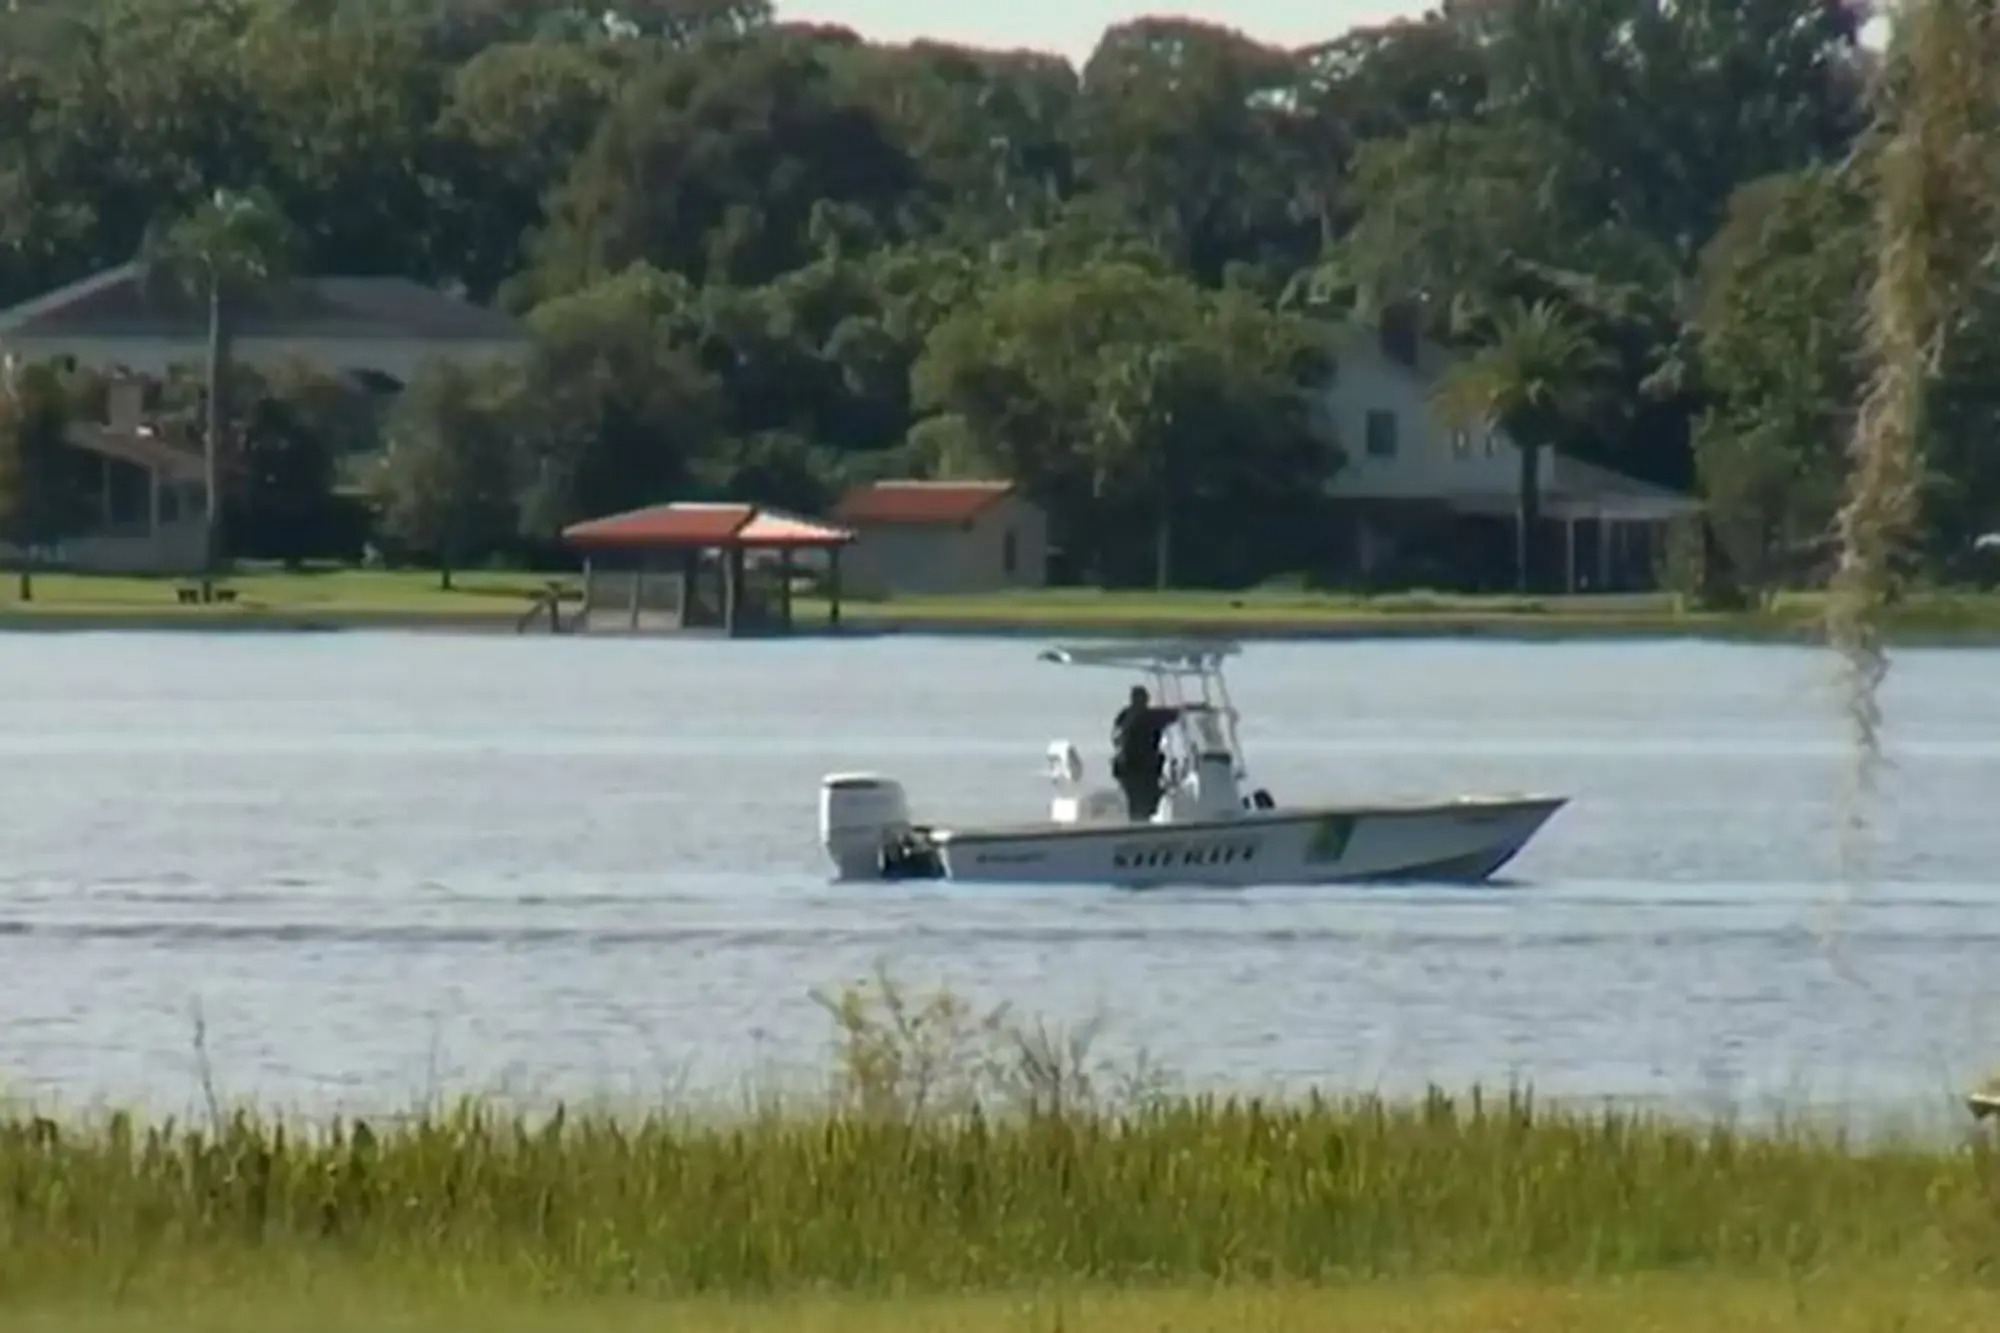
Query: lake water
x=381, y=866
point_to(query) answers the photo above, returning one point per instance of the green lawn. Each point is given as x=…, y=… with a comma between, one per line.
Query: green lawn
x=334, y=596
x=347, y=597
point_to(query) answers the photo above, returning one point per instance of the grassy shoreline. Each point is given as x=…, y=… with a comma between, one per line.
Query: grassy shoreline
x=1190, y=1212
x=967, y=1171
x=496, y=603
x=1185, y=1191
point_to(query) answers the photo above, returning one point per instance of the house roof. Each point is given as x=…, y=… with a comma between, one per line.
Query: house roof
x=941, y=502
x=689, y=525
x=1592, y=490
x=1576, y=489
x=1354, y=336
x=144, y=450
x=118, y=303
x=767, y=528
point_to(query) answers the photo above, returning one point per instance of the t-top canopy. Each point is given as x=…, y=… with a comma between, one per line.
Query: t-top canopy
x=1171, y=657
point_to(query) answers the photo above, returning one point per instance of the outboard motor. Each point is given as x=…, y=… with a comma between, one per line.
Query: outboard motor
x=861, y=815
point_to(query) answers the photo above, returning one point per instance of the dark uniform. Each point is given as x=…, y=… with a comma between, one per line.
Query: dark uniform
x=1136, y=761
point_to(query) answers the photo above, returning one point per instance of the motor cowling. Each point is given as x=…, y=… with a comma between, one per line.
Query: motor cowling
x=860, y=815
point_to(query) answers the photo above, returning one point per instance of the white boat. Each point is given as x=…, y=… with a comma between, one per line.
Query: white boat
x=1210, y=828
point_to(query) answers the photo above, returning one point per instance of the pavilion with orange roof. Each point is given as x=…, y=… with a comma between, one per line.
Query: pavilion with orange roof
x=643, y=569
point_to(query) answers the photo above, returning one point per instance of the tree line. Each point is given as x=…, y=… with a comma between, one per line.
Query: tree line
x=768, y=260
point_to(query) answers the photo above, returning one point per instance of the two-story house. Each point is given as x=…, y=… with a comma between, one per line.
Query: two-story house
x=1418, y=490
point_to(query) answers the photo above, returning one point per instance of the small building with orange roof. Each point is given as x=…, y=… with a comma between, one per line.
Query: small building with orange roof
x=941, y=538
x=687, y=565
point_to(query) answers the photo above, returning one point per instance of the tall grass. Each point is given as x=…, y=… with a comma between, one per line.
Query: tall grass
x=963, y=1151
x=1848, y=1303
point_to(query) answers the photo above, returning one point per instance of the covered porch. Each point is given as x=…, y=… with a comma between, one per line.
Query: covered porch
x=730, y=568
x=143, y=504
x=1608, y=527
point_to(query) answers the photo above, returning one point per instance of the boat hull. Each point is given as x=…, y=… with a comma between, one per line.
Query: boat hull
x=1452, y=842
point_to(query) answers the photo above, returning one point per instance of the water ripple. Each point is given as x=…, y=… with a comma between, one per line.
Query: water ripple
x=552, y=863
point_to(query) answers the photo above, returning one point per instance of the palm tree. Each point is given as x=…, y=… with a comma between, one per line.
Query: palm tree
x=233, y=250
x=1532, y=378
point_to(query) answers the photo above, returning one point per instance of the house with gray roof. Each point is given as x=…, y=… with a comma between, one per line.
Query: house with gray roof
x=376, y=327
x=377, y=331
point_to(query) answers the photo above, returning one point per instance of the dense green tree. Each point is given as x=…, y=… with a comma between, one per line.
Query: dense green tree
x=515, y=117
x=446, y=484
x=344, y=117
x=1779, y=329
x=1117, y=393
x=614, y=409
x=1183, y=125
x=460, y=29
x=991, y=133
x=1384, y=82
x=716, y=169
x=43, y=480
x=286, y=466
x=769, y=258
x=1441, y=210
x=1668, y=105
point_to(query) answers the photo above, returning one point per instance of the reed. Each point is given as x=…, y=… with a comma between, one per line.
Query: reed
x=918, y=1176
x=1203, y=1191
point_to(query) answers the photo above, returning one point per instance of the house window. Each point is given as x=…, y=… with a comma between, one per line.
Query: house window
x=128, y=495
x=1399, y=334
x=1461, y=443
x=1381, y=434
x=1492, y=443
x=1010, y=554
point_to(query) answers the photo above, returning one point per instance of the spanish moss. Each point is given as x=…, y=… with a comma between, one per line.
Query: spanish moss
x=1928, y=179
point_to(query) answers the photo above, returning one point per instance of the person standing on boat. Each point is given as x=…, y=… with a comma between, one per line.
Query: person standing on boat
x=1136, y=760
